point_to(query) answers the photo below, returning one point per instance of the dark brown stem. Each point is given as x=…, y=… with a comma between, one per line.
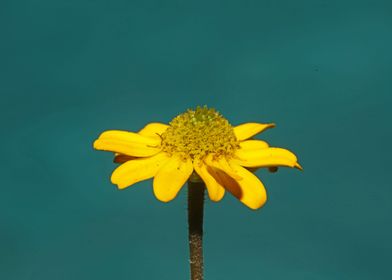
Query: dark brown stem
x=195, y=222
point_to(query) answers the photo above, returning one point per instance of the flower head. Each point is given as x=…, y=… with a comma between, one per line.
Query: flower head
x=199, y=143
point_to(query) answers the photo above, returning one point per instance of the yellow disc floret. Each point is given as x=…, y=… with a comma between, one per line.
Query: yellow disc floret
x=197, y=133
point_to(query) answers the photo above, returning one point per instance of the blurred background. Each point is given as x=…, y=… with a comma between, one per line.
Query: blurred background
x=321, y=70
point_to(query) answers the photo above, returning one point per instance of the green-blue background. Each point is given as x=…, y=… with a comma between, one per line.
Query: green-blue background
x=70, y=69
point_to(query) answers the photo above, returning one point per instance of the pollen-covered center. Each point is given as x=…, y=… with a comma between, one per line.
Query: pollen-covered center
x=197, y=133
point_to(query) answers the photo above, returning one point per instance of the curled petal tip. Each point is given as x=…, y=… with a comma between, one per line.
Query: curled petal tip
x=298, y=166
x=120, y=187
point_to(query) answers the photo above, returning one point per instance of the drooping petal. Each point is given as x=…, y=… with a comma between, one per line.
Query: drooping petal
x=221, y=164
x=247, y=130
x=153, y=129
x=250, y=190
x=266, y=158
x=171, y=177
x=253, y=145
x=215, y=190
x=127, y=143
x=137, y=170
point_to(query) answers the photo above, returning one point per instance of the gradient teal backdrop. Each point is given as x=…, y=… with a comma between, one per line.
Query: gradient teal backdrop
x=321, y=70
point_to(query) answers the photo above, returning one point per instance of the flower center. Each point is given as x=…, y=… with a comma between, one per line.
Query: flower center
x=197, y=133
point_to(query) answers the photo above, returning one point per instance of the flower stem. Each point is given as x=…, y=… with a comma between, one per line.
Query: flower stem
x=195, y=222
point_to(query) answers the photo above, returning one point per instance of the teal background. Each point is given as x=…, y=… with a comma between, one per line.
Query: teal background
x=319, y=69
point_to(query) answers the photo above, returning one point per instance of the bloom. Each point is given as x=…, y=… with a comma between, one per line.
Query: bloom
x=200, y=141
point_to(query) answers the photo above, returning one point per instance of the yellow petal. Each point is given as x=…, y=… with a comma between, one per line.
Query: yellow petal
x=136, y=150
x=253, y=145
x=171, y=177
x=221, y=164
x=153, y=129
x=215, y=190
x=127, y=143
x=250, y=190
x=266, y=158
x=128, y=136
x=247, y=130
x=137, y=170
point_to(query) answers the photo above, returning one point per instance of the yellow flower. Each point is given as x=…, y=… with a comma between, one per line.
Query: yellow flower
x=200, y=141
